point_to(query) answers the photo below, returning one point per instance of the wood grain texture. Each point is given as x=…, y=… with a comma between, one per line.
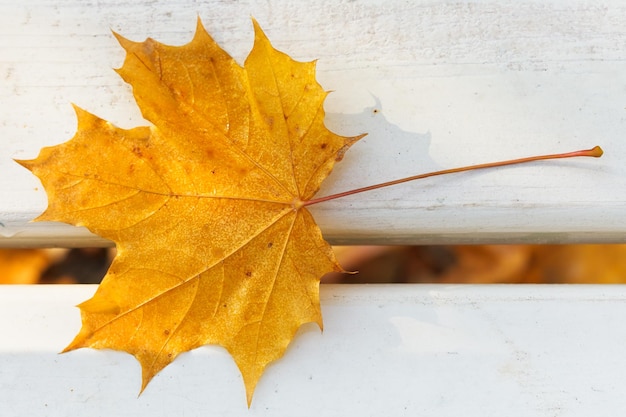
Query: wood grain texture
x=396, y=350
x=436, y=84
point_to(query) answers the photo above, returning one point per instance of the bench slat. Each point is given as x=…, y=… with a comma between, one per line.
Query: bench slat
x=385, y=350
x=436, y=85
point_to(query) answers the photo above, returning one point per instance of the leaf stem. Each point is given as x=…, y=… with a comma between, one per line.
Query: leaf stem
x=595, y=152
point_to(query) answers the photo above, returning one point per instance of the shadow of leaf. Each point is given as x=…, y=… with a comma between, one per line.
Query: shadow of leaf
x=387, y=152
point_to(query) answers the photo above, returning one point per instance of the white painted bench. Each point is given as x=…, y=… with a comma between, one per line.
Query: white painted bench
x=436, y=84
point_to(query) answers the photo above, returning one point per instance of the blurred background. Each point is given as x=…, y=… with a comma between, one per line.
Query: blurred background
x=550, y=264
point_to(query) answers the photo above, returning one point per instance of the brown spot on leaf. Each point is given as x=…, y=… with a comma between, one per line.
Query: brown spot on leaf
x=137, y=151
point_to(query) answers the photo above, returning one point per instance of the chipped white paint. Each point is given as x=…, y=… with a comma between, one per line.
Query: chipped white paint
x=452, y=83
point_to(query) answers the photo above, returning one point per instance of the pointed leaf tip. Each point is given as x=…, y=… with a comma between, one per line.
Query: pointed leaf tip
x=124, y=42
x=26, y=163
x=200, y=29
x=258, y=31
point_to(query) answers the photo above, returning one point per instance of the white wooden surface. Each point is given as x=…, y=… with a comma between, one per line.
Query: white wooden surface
x=452, y=83
x=399, y=350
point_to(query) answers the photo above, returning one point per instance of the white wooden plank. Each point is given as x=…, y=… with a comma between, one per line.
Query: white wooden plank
x=425, y=350
x=452, y=83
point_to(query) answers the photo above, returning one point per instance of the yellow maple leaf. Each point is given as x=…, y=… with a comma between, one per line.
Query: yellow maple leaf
x=214, y=245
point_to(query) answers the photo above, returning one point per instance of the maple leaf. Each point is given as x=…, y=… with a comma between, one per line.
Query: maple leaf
x=206, y=206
